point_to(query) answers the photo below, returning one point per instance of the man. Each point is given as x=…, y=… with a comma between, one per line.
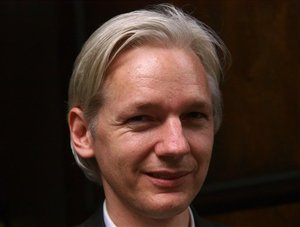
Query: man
x=144, y=105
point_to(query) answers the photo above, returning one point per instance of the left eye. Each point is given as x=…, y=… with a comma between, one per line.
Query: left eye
x=194, y=115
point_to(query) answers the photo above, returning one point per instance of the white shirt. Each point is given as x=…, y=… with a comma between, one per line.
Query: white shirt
x=109, y=223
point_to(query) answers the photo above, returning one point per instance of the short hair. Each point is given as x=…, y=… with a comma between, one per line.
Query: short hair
x=163, y=24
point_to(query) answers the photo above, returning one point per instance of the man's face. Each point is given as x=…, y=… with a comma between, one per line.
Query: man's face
x=154, y=134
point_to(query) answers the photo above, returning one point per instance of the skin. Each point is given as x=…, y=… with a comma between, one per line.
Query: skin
x=154, y=135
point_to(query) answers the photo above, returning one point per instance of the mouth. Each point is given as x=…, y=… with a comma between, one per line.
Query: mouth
x=168, y=179
x=167, y=175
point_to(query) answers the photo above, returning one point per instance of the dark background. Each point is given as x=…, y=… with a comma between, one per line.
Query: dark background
x=254, y=178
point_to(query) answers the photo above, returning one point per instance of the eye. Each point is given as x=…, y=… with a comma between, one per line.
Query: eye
x=195, y=115
x=140, y=123
x=195, y=119
x=139, y=118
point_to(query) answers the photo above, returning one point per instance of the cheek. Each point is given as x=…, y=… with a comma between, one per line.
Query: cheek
x=202, y=153
x=201, y=147
x=123, y=152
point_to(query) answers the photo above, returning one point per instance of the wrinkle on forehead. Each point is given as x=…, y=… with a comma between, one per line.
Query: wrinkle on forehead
x=150, y=70
x=152, y=59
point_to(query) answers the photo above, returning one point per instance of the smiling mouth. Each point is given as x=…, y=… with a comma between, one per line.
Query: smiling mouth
x=168, y=179
x=165, y=175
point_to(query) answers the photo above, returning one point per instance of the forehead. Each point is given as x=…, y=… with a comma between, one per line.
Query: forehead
x=154, y=71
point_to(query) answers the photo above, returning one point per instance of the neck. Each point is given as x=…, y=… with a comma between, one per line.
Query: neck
x=125, y=217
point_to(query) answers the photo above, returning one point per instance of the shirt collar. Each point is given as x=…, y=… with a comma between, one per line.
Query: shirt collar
x=107, y=220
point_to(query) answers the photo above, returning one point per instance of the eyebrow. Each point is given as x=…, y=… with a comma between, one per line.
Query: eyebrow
x=144, y=106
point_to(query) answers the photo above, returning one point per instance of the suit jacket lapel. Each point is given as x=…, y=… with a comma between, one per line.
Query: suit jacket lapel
x=96, y=220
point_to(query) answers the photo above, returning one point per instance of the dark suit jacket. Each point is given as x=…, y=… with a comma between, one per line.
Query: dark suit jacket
x=97, y=220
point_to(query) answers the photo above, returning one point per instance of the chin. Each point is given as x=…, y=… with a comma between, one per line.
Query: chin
x=166, y=206
x=166, y=212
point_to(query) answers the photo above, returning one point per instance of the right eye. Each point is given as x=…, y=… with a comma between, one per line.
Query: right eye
x=138, y=118
x=140, y=122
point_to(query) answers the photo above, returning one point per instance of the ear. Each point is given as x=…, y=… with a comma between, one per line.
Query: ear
x=80, y=135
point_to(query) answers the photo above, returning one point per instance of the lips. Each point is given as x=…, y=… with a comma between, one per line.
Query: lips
x=167, y=178
x=167, y=175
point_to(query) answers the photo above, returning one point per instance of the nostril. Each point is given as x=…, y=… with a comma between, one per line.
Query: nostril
x=172, y=148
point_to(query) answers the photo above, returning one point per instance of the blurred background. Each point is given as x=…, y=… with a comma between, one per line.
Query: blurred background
x=254, y=179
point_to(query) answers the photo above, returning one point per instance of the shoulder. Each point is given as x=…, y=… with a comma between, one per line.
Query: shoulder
x=205, y=223
x=95, y=220
x=200, y=222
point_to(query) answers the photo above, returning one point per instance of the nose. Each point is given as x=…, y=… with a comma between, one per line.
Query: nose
x=172, y=141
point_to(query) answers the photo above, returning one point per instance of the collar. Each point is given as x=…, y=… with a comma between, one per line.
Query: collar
x=107, y=220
